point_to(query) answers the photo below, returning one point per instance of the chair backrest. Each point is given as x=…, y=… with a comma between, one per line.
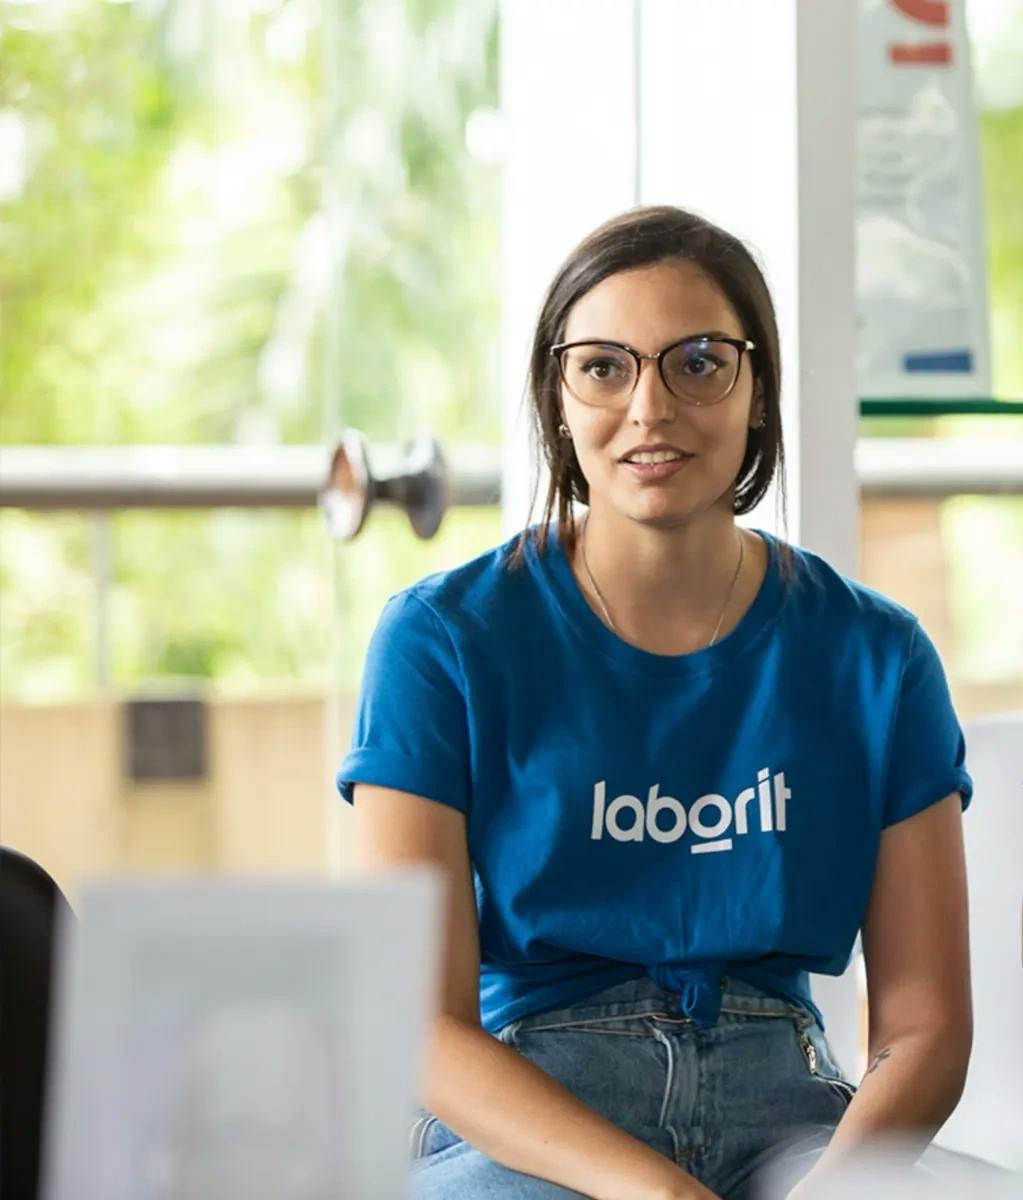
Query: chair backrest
x=29, y=905
x=989, y=1119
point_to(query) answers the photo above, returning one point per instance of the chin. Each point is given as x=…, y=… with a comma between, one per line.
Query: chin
x=663, y=510
x=662, y=516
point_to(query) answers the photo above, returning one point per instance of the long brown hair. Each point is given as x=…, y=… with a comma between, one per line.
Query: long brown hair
x=640, y=238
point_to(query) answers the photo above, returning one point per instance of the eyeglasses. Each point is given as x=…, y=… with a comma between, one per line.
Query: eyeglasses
x=697, y=370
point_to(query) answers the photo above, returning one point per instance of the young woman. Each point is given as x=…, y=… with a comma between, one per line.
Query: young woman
x=669, y=765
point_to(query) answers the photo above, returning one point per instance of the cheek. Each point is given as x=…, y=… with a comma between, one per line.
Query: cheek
x=728, y=433
x=593, y=432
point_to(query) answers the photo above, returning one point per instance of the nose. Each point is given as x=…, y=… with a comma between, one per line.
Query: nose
x=651, y=403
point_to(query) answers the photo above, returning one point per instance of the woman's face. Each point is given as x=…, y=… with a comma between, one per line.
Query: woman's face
x=649, y=308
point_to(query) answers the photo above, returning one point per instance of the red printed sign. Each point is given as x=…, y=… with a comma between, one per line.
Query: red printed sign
x=933, y=13
x=921, y=287
x=927, y=12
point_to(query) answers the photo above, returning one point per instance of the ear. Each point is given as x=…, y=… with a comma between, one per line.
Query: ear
x=757, y=410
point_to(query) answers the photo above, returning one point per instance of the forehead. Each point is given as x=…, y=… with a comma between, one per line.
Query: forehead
x=649, y=307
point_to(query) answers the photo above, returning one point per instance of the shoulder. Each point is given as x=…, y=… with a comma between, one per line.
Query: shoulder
x=477, y=592
x=844, y=607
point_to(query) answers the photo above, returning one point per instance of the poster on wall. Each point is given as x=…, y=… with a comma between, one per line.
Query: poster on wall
x=921, y=276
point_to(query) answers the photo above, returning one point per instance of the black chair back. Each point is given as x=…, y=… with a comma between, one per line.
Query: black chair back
x=30, y=902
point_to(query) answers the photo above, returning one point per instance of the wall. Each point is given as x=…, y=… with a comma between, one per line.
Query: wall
x=264, y=807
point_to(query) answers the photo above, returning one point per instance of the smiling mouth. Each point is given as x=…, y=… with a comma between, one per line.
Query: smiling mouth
x=655, y=458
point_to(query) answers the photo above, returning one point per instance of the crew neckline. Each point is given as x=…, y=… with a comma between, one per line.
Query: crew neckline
x=581, y=618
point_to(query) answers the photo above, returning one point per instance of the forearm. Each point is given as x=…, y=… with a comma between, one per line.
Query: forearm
x=519, y=1116
x=912, y=1084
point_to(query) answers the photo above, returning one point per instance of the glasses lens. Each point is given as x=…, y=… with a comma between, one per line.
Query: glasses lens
x=598, y=374
x=701, y=371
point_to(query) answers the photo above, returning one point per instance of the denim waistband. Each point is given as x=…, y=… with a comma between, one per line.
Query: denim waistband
x=700, y=988
x=643, y=995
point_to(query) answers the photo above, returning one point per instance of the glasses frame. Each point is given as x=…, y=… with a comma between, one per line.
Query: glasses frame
x=740, y=344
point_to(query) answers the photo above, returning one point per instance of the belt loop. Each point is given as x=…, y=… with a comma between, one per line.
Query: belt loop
x=802, y=1018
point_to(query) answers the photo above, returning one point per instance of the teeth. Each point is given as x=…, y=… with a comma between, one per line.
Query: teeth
x=655, y=456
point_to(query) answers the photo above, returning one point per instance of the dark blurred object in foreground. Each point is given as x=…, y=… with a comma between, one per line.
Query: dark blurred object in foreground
x=30, y=905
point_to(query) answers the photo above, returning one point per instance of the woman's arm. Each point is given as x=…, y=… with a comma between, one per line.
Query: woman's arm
x=916, y=950
x=491, y=1096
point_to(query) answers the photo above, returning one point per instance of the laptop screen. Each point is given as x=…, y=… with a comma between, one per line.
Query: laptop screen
x=241, y=1040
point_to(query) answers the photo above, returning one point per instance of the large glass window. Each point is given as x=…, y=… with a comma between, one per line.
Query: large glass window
x=249, y=222
x=256, y=222
x=958, y=560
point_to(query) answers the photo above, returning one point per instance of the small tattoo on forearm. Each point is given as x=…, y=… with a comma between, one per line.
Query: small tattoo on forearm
x=878, y=1060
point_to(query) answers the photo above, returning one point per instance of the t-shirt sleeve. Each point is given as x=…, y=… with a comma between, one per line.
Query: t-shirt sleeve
x=927, y=753
x=411, y=726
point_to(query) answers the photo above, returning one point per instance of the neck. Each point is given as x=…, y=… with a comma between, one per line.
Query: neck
x=662, y=583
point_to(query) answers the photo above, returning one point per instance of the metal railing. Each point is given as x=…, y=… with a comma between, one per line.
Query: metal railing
x=345, y=481
x=105, y=478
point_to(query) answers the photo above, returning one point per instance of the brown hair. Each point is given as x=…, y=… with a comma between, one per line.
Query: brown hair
x=640, y=238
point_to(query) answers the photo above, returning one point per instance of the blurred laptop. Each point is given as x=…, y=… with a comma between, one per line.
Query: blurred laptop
x=241, y=1041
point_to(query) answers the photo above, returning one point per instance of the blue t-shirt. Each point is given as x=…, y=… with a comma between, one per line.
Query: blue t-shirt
x=687, y=817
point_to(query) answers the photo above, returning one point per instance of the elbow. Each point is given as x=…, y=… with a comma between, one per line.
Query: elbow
x=955, y=1044
x=960, y=1042
x=945, y=1065
x=940, y=1049
x=452, y=1039
x=951, y=1045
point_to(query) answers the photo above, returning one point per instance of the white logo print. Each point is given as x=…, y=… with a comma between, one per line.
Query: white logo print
x=708, y=816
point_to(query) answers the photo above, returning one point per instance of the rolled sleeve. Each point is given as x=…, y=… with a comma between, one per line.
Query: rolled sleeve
x=927, y=751
x=411, y=725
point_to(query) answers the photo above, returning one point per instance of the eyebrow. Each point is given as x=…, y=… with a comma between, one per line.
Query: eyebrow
x=709, y=334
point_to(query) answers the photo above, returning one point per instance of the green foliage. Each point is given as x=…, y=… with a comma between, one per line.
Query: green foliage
x=258, y=221
x=241, y=599
x=100, y=120
x=47, y=648
x=1001, y=138
x=418, y=316
x=260, y=228
x=985, y=539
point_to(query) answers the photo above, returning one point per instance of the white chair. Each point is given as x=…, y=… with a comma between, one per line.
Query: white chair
x=988, y=1123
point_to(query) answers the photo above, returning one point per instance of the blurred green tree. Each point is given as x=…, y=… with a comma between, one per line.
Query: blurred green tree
x=253, y=221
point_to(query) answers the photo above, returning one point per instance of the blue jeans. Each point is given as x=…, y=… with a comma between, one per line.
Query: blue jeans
x=730, y=1104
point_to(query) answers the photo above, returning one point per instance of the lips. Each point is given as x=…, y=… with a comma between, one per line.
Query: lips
x=638, y=458
x=655, y=471
x=656, y=448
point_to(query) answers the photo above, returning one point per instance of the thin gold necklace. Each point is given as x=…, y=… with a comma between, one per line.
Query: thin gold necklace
x=603, y=602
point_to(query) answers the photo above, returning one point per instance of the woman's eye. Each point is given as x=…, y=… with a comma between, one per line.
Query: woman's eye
x=602, y=368
x=701, y=365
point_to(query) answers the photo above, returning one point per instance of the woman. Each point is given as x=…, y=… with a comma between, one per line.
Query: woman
x=669, y=765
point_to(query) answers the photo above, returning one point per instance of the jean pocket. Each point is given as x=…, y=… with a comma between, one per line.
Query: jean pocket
x=821, y=1067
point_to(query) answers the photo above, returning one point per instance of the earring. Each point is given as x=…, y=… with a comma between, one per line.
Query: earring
x=761, y=423
x=564, y=430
